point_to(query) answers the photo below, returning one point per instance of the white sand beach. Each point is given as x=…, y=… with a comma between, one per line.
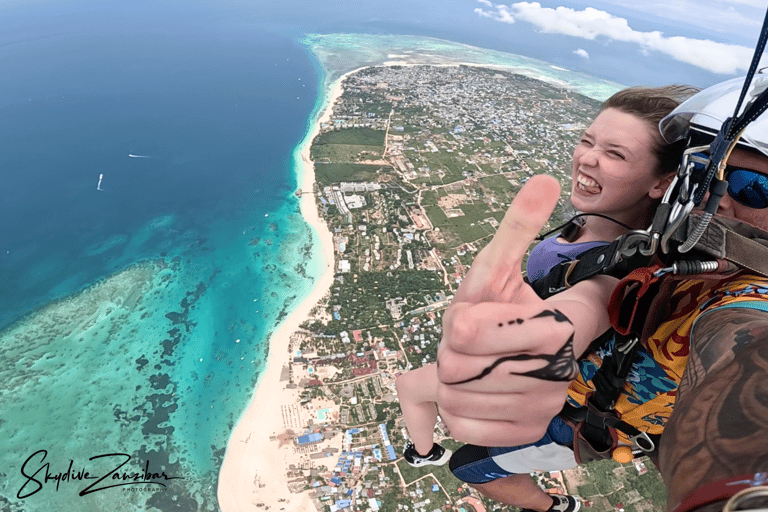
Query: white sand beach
x=253, y=475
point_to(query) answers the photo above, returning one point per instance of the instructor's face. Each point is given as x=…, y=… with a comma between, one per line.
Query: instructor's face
x=731, y=208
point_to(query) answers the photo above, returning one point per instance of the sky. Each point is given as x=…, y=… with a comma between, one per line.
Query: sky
x=728, y=30
x=649, y=42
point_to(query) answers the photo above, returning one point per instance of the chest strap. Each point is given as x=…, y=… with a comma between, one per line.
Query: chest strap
x=726, y=240
x=602, y=260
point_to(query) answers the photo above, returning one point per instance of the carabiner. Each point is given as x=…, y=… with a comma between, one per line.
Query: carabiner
x=643, y=439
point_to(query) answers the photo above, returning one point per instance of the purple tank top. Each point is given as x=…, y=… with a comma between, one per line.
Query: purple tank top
x=550, y=252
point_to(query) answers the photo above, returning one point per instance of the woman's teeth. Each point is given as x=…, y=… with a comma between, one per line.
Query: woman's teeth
x=587, y=184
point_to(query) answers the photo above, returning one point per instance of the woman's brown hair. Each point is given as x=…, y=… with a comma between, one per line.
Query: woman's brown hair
x=652, y=104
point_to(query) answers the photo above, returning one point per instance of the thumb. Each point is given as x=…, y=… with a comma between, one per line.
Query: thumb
x=503, y=256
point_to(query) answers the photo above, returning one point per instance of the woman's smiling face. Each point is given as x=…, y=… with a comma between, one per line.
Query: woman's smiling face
x=615, y=169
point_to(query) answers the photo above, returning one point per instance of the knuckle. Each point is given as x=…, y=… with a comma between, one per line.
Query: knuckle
x=458, y=327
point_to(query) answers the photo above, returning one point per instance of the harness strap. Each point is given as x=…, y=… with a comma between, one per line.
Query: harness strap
x=595, y=261
x=597, y=427
x=630, y=305
x=724, y=239
x=610, y=377
x=637, y=291
x=746, y=246
x=631, y=299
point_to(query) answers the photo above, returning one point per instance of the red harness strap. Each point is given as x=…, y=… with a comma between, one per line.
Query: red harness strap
x=630, y=300
x=721, y=490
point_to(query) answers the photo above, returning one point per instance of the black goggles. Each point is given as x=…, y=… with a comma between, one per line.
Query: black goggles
x=745, y=186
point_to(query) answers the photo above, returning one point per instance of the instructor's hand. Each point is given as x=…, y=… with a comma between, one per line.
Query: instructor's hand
x=506, y=359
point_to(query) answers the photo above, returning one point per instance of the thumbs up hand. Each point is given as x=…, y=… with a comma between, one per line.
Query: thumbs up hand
x=507, y=356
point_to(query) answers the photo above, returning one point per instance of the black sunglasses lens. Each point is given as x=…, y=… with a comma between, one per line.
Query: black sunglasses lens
x=748, y=188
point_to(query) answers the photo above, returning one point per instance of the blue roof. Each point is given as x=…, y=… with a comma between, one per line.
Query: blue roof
x=310, y=438
x=391, y=452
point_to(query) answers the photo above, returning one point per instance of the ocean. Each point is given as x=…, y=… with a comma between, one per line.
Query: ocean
x=151, y=238
x=135, y=317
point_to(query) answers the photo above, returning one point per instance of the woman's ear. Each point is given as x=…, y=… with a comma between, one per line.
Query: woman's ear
x=657, y=192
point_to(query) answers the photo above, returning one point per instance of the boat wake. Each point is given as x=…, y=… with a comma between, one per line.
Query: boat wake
x=139, y=156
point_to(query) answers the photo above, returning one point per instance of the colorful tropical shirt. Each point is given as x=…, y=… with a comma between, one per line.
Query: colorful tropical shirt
x=649, y=393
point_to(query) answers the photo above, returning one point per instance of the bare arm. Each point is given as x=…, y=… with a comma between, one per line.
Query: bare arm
x=719, y=427
x=586, y=305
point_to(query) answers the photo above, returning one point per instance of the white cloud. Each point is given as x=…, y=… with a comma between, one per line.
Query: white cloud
x=592, y=23
x=582, y=53
x=737, y=17
x=483, y=13
x=487, y=3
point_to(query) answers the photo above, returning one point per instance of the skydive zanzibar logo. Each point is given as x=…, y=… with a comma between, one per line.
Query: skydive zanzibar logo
x=38, y=473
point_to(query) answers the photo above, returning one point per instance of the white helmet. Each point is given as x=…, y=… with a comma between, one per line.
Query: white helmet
x=706, y=111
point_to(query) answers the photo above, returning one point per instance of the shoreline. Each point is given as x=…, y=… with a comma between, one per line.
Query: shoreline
x=253, y=475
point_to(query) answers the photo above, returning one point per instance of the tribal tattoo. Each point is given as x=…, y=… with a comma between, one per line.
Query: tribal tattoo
x=560, y=367
x=719, y=427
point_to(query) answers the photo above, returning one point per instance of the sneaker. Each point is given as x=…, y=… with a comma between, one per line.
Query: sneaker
x=437, y=456
x=560, y=504
x=564, y=504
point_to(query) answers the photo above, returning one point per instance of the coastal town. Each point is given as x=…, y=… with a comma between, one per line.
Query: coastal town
x=414, y=168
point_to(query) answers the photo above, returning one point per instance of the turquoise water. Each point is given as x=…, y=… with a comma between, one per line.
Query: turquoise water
x=156, y=361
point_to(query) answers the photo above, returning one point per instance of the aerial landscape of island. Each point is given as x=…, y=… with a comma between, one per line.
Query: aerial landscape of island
x=407, y=170
x=229, y=227
x=239, y=354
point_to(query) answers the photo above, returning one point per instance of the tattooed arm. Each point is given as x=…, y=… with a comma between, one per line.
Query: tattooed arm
x=507, y=356
x=719, y=428
x=586, y=305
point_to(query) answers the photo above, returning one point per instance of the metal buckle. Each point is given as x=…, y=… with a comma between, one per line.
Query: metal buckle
x=631, y=243
x=626, y=347
x=642, y=438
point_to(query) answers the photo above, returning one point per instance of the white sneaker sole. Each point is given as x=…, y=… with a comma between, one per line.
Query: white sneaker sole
x=426, y=462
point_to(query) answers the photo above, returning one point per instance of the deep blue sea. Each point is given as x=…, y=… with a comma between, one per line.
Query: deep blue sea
x=134, y=318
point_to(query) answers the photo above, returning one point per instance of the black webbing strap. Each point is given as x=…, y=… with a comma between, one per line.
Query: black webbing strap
x=599, y=260
x=610, y=377
x=595, y=429
x=598, y=416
